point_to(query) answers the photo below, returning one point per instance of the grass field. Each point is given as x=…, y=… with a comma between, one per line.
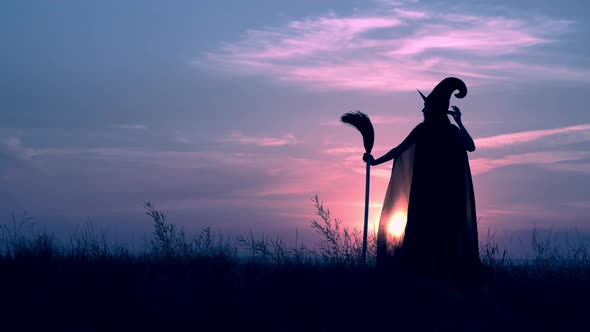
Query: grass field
x=204, y=282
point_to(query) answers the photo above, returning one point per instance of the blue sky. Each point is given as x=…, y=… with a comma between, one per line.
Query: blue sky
x=224, y=113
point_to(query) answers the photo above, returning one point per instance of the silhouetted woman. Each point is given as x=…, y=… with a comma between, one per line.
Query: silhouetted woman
x=428, y=221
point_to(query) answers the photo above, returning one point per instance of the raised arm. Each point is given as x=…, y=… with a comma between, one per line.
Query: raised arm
x=465, y=137
x=395, y=152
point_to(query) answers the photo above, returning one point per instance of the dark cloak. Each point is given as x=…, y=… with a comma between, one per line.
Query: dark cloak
x=431, y=191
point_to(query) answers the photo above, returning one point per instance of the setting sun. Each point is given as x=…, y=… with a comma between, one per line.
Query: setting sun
x=397, y=223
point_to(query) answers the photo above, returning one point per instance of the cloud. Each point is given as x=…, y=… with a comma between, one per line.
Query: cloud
x=485, y=36
x=308, y=37
x=182, y=138
x=555, y=160
x=560, y=159
x=15, y=158
x=399, y=49
x=578, y=204
x=578, y=167
x=106, y=180
x=13, y=147
x=411, y=14
x=505, y=140
x=237, y=137
x=130, y=126
x=381, y=173
x=344, y=150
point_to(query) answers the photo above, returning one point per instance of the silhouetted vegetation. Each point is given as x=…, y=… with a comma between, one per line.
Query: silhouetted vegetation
x=205, y=281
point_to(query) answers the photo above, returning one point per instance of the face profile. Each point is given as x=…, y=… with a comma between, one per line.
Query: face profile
x=432, y=113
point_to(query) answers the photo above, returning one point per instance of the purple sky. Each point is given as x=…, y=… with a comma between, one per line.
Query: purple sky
x=226, y=115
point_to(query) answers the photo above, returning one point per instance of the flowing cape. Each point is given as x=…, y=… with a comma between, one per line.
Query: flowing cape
x=428, y=218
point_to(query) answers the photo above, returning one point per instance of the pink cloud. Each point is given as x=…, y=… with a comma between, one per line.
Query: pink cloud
x=505, y=140
x=237, y=137
x=380, y=173
x=304, y=38
x=411, y=14
x=345, y=150
x=488, y=38
x=548, y=159
x=399, y=49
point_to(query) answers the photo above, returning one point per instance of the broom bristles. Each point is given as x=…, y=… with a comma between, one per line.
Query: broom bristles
x=362, y=123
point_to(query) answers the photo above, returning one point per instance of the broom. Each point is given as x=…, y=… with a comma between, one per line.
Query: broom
x=363, y=124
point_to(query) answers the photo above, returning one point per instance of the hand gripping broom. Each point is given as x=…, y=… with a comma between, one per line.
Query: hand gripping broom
x=363, y=124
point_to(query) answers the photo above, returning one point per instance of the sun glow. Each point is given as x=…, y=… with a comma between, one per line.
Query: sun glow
x=397, y=223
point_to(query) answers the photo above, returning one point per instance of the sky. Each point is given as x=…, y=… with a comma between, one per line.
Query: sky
x=225, y=113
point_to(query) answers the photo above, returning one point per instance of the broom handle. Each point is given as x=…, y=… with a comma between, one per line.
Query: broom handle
x=366, y=225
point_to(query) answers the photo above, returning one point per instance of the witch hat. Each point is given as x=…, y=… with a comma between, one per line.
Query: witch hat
x=441, y=94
